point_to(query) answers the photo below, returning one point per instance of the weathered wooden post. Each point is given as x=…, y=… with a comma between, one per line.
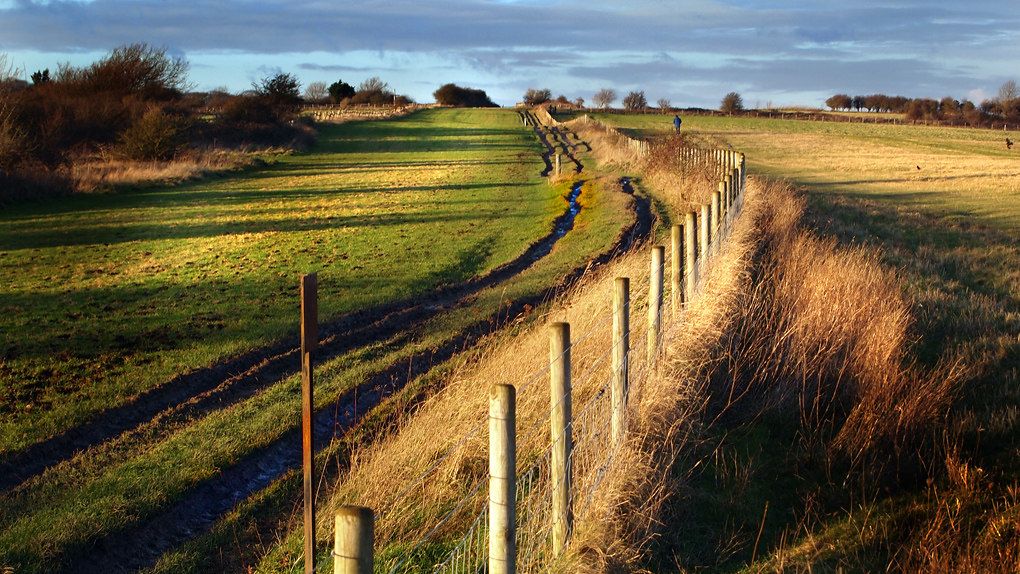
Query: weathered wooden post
x=560, y=434
x=309, y=341
x=557, y=164
x=502, y=479
x=703, y=226
x=621, y=355
x=690, y=255
x=716, y=218
x=676, y=270
x=655, y=302
x=354, y=534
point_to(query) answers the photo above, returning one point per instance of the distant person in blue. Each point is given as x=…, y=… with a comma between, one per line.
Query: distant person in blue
x=676, y=123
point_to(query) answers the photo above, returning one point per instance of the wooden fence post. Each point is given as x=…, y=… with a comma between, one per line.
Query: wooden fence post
x=309, y=341
x=703, y=225
x=621, y=355
x=714, y=231
x=676, y=270
x=354, y=535
x=557, y=164
x=690, y=255
x=655, y=302
x=560, y=434
x=502, y=479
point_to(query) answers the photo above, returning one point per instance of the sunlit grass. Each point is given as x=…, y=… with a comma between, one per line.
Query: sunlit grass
x=105, y=296
x=390, y=224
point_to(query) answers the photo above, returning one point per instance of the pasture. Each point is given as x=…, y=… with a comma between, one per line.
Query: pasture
x=940, y=209
x=110, y=297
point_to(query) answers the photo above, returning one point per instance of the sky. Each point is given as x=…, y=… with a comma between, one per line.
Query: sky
x=692, y=53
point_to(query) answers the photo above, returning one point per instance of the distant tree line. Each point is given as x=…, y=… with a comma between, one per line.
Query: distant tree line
x=1005, y=106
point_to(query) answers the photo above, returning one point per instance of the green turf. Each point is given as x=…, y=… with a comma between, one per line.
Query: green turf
x=109, y=295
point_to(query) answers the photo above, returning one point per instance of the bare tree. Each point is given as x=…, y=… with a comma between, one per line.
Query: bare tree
x=316, y=92
x=579, y=102
x=732, y=102
x=373, y=84
x=635, y=101
x=604, y=97
x=1008, y=92
x=534, y=97
x=10, y=135
x=664, y=105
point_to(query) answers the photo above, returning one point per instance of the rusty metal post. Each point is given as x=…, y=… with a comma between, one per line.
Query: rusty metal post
x=309, y=341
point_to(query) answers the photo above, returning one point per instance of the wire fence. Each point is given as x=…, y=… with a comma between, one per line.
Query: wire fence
x=422, y=532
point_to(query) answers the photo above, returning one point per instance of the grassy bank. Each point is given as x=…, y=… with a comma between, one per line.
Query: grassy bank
x=773, y=487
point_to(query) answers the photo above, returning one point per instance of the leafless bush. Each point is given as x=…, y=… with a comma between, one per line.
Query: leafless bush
x=11, y=135
x=683, y=184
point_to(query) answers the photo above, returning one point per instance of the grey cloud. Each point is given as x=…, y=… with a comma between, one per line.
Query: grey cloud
x=905, y=46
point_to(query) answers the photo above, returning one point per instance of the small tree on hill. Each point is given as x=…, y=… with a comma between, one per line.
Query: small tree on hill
x=635, y=101
x=604, y=97
x=373, y=84
x=340, y=90
x=454, y=95
x=280, y=91
x=839, y=102
x=534, y=97
x=732, y=103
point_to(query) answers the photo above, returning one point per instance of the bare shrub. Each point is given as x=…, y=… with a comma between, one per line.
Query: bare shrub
x=11, y=136
x=683, y=184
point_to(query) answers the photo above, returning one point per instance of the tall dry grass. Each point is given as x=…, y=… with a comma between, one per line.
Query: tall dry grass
x=791, y=328
x=452, y=423
x=824, y=334
x=96, y=174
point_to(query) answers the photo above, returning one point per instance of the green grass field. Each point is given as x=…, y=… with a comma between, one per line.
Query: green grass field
x=110, y=295
x=106, y=296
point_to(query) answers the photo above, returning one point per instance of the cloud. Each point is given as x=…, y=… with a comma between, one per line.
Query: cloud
x=682, y=47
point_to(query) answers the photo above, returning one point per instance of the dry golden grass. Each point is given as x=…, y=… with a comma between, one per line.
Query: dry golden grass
x=610, y=148
x=791, y=324
x=683, y=187
x=423, y=437
x=104, y=174
x=666, y=420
